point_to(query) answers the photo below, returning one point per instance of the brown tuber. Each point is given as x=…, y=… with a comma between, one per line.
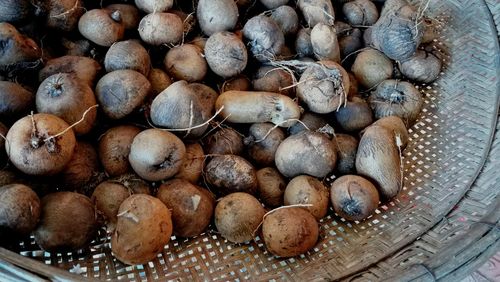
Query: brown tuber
x=33, y=148
x=237, y=217
x=101, y=26
x=289, y=232
x=353, y=197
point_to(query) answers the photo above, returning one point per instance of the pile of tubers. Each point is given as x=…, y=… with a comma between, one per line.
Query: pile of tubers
x=160, y=118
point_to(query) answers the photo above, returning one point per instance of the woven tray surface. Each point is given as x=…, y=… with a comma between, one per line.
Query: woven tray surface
x=448, y=148
x=466, y=237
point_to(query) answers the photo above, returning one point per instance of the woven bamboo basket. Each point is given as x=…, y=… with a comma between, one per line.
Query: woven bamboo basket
x=443, y=224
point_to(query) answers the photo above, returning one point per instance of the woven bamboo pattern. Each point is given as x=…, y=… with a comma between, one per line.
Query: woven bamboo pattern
x=444, y=204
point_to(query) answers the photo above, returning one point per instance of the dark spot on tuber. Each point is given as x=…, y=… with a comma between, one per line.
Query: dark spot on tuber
x=351, y=207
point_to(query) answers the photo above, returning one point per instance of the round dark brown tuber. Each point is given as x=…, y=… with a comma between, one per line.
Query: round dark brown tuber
x=67, y=223
x=114, y=148
x=19, y=209
x=353, y=197
x=192, y=206
x=287, y=19
x=307, y=190
x=63, y=14
x=303, y=45
x=231, y=173
x=237, y=217
x=107, y=198
x=350, y=38
x=16, y=48
x=143, y=229
x=84, y=68
x=289, y=232
x=192, y=167
x=371, y=67
x=311, y=120
x=360, y=12
x=238, y=83
x=271, y=79
x=82, y=168
x=15, y=101
x=347, y=147
x=159, y=81
x=225, y=141
x=186, y=62
x=262, y=142
x=271, y=186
